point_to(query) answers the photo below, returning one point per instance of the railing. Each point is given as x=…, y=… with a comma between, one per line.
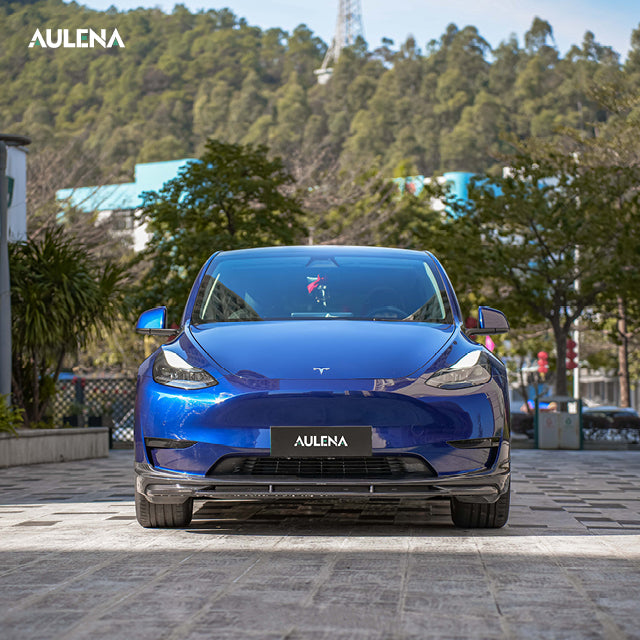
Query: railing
x=93, y=402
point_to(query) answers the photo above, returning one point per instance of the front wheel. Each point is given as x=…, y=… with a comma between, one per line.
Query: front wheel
x=166, y=516
x=481, y=515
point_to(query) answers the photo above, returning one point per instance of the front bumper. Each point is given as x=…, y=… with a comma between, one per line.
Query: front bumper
x=446, y=429
x=166, y=487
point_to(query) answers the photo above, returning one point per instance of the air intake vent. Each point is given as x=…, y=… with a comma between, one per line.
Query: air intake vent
x=365, y=467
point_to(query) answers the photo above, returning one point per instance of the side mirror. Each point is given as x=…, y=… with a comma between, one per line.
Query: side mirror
x=490, y=322
x=154, y=323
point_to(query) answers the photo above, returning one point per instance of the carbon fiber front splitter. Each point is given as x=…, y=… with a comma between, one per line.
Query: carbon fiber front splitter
x=165, y=487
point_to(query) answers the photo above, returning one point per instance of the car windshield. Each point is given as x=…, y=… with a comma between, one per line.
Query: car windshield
x=241, y=288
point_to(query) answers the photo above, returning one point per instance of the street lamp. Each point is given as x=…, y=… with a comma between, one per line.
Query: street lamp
x=5, y=281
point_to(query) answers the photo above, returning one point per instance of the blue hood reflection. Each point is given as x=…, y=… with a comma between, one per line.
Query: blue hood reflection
x=343, y=349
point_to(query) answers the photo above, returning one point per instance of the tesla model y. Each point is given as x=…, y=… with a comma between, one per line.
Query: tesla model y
x=322, y=371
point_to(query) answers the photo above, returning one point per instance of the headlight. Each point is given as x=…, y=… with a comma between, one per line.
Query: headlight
x=471, y=370
x=173, y=371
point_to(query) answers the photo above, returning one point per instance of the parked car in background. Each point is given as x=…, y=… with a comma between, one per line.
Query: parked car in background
x=522, y=423
x=322, y=371
x=610, y=417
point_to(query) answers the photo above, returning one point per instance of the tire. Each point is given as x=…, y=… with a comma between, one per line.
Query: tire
x=165, y=516
x=481, y=515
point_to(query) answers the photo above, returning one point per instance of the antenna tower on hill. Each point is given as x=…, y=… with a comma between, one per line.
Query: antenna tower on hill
x=348, y=28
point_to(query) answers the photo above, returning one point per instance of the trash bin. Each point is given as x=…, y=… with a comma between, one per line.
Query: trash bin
x=558, y=429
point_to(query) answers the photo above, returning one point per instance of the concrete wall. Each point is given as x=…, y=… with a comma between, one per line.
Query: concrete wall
x=33, y=446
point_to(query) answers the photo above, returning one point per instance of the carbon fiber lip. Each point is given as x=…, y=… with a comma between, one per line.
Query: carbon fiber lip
x=475, y=443
x=168, y=443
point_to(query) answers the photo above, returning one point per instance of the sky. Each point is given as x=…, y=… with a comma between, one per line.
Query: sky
x=612, y=21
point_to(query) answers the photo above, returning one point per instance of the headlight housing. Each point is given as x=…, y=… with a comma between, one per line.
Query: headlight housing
x=472, y=370
x=172, y=370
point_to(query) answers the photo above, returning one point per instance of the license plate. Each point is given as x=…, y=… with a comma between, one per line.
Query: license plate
x=304, y=442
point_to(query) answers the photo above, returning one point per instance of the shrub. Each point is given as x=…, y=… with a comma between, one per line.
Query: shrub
x=11, y=417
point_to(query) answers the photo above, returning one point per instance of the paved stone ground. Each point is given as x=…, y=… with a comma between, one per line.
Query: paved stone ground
x=75, y=564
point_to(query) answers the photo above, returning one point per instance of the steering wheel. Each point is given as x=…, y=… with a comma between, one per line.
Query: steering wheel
x=387, y=309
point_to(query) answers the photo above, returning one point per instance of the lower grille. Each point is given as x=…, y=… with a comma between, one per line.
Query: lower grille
x=365, y=467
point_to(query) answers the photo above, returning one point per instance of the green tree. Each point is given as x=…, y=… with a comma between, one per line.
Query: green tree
x=464, y=71
x=613, y=143
x=211, y=109
x=61, y=296
x=304, y=54
x=245, y=108
x=472, y=142
x=547, y=239
x=233, y=197
x=292, y=113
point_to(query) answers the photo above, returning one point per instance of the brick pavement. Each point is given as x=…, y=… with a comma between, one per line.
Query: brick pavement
x=74, y=563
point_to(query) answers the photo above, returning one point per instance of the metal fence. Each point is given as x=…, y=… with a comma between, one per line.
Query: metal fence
x=629, y=435
x=93, y=402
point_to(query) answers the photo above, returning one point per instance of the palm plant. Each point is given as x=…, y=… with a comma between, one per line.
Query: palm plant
x=61, y=296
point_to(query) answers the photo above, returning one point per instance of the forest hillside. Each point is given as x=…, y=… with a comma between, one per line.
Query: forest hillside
x=184, y=77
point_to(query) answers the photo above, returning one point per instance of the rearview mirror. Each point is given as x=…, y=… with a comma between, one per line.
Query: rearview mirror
x=154, y=323
x=490, y=322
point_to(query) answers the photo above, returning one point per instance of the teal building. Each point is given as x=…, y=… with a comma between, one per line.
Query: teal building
x=119, y=202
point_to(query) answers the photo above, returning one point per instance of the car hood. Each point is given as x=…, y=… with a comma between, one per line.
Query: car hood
x=344, y=349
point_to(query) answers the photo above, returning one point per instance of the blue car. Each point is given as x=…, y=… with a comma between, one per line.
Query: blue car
x=322, y=371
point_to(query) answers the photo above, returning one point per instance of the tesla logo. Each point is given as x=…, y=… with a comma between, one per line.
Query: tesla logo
x=320, y=441
x=321, y=370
